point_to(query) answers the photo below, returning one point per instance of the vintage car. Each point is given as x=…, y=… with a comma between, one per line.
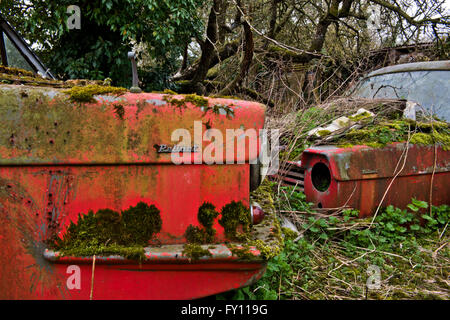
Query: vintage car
x=98, y=201
x=365, y=176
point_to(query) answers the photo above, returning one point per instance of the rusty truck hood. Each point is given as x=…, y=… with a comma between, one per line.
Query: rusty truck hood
x=44, y=126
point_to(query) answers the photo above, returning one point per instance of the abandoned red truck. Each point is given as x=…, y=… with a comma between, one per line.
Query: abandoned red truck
x=98, y=200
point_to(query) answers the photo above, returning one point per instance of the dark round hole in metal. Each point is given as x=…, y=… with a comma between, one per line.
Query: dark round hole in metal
x=321, y=177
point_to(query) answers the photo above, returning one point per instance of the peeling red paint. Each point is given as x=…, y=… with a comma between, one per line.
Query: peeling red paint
x=361, y=175
x=93, y=160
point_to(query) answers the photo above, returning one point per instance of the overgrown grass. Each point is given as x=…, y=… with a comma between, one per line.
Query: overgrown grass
x=337, y=255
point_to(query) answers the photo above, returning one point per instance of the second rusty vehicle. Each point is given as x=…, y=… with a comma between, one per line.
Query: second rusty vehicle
x=372, y=161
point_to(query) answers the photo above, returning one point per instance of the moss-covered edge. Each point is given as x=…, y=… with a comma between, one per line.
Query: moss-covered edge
x=109, y=233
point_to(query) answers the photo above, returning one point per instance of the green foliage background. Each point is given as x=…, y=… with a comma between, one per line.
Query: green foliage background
x=108, y=29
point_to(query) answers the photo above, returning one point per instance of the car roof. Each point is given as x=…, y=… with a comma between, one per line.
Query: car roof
x=443, y=65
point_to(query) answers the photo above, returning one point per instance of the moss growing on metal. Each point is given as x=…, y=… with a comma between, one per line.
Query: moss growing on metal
x=206, y=214
x=119, y=110
x=195, y=251
x=323, y=132
x=140, y=223
x=218, y=109
x=16, y=71
x=235, y=220
x=441, y=138
x=289, y=234
x=194, y=99
x=200, y=102
x=205, y=234
x=273, y=243
x=168, y=91
x=87, y=93
x=378, y=135
x=109, y=233
x=361, y=116
x=242, y=251
x=422, y=138
x=226, y=97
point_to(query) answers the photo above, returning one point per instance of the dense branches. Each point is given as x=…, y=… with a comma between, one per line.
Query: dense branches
x=297, y=31
x=240, y=44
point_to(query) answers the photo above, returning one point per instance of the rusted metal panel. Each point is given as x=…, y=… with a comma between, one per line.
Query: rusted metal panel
x=60, y=158
x=360, y=176
x=410, y=67
x=56, y=195
x=360, y=162
x=43, y=126
x=290, y=174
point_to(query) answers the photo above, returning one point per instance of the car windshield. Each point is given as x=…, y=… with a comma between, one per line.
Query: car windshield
x=430, y=89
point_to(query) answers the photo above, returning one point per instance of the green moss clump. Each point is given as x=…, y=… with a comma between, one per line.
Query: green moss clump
x=196, y=100
x=168, y=91
x=345, y=145
x=108, y=232
x=323, y=132
x=267, y=251
x=194, y=234
x=362, y=116
x=106, y=223
x=421, y=138
x=16, y=71
x=427, y=126
x=243, y=252
x=87, y=93
x=235, y=220
x=378, y=135
x=128, y=252
x=206, y=215
x=195, y=251
x=443, y=138
x=140, y=223
x=226, y=97
x=289, y=234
